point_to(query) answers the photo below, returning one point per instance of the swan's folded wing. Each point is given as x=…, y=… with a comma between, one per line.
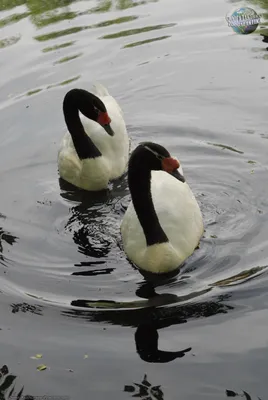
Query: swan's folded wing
x=100, y=90
x=69, y=165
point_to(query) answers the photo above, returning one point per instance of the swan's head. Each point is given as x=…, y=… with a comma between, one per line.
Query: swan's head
x=157, y=158
x=102, y=116
x=89, y=105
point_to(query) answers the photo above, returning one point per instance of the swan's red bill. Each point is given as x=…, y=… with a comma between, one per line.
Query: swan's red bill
x=169, y=164
x=103, y=118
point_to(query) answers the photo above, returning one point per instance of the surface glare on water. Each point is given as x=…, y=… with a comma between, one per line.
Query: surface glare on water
x=186, y=81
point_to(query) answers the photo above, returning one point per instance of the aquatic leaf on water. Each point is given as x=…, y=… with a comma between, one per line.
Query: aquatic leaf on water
x=41, y=367
x=37, y=356
x=241, y=276
x=224, y=147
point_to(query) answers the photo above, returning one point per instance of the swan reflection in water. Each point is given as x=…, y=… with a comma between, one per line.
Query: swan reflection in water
x=7, y=238
x=92, y=223
x=93, y=240
x=146, y=390
x=8, y=386
x=148, y=316
x=230, y=393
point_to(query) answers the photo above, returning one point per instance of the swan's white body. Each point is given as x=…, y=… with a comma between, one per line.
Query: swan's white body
x=180, y=218
x=95, y=174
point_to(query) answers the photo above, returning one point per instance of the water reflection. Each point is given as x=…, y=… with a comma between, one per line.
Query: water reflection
x=58, y=46
x=136, y=31
x=8, y=4
x=145, y=390
x=70, y=31
x=38, y=90
x=146, y=339
x=25, y=308
x=231, y=393
x=63, y=32
x=47, y=13
x=53, y=11
x=12, y=19
x=7, y=238
x=9, y=41
x=108, y=5
x=91, y=221
x=149, y=316
x=7, y=386
x=141, y=42
x=69, y=58
x=89, y=227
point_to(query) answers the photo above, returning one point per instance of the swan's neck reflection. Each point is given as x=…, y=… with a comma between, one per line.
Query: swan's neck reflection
x=146, y=338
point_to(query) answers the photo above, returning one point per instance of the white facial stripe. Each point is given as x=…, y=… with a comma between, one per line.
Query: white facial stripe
x=155, y=153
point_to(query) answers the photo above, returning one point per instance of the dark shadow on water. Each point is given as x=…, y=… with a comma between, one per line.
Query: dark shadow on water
x=150, y=317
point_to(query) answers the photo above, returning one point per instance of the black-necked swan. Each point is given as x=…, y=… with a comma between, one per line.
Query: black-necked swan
x=163, y=223
x=96, y=148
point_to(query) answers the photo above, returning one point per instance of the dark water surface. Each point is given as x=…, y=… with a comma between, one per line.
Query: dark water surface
x=185, y=80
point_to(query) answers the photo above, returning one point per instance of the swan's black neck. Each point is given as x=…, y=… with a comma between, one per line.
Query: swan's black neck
x=139, y=180
x=74, y=101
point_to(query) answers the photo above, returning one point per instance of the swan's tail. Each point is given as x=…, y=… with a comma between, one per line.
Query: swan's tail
x=100, y=90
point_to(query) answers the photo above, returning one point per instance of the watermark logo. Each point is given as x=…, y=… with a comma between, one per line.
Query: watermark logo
x=244, y=20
